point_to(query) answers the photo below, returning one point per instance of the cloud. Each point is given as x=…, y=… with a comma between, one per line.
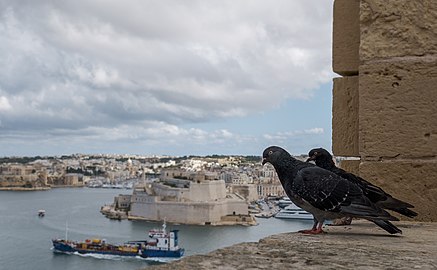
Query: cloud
x=107, y=65
x=283, y=136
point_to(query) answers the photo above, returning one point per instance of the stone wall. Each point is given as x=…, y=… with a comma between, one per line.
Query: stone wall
x=385, y=103
x=199, y=213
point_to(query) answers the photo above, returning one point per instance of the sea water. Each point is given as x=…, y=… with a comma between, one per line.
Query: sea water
x=25, y=238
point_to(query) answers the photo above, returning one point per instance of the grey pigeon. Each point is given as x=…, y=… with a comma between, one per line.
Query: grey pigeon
x=375, y=194
x=323, y=193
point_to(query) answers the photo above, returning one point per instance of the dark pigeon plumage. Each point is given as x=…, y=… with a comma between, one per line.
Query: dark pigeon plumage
x=323, y=193
x=375, y=194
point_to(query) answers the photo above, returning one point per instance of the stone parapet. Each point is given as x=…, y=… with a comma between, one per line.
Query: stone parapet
x=397, y=28
x=394, y=105
x=398, y=111
x=361, y=245
x=413, y=181
x=345, y=117
x=346, y=37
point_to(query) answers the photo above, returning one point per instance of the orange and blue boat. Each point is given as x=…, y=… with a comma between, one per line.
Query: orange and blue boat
x=159, y=244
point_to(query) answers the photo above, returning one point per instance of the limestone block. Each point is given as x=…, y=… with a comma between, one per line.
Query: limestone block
x=352, y=166
x=397, y=28
x=345, y=117
x=397, y=111
x=413, y=181
x=346, y=37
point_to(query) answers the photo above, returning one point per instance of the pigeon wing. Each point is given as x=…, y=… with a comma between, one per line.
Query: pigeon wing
x=328, y=192
x=373, y=192
x=377, y=194
x=322, y=189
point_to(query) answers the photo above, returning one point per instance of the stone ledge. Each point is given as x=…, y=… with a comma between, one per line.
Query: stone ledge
x=361, y=245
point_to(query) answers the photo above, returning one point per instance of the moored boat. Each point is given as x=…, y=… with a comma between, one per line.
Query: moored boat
x=264, y=215
x=160, y=244
x=284, y=202
x=294, y=212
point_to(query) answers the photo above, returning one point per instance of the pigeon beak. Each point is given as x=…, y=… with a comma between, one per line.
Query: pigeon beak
x=311, y=158
x=264, y=161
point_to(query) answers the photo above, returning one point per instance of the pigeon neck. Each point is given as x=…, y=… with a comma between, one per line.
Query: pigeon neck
x=287, y=166
x=325, y=163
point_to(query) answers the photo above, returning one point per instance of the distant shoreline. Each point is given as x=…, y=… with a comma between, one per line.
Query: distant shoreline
x=68, y=186
x=24, y=189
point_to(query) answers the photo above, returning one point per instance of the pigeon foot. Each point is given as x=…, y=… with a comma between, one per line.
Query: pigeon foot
x=342, y=221
x=312, y=231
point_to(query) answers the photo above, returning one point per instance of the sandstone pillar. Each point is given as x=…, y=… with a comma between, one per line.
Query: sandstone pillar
x=385, y=106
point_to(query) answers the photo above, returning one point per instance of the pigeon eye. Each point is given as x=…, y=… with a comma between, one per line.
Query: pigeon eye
x=315, y=153
x=270, y=152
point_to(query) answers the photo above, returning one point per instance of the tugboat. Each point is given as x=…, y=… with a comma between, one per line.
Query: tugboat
x=160, y=244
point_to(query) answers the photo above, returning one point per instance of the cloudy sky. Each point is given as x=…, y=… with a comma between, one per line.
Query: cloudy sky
x=164, y=77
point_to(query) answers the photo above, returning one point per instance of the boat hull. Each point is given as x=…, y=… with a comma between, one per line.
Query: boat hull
x=61, y=246
x=162, y=253
x=66, y=247
x=291, y=216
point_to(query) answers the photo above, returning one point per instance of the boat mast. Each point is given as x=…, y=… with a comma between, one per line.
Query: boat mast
x=66, y=230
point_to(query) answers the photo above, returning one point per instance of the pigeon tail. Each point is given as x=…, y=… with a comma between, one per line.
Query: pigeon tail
x=391, y=202
x=404, y=211
x=387, y=225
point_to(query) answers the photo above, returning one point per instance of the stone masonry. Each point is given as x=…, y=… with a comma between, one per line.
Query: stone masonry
x=385, y=105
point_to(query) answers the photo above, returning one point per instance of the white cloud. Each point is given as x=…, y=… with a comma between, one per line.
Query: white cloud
x=282, y=136
x=4, y=104
x=110, y=65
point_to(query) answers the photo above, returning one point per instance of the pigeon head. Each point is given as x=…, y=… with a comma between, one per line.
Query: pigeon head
x=272, y=154
x=320, y=155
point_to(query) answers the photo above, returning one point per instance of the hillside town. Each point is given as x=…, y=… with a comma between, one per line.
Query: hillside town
x=124, y=171
x=222, y=188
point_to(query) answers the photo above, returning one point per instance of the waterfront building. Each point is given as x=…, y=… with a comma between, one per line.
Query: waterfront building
x=195, y=200
x=122, y=202
x=247, y=191
x=267, y=190
x=18, y=175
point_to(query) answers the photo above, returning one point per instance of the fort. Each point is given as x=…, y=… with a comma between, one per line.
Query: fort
x=198, y=198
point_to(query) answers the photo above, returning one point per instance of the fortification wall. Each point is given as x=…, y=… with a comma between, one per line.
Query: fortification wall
x=188, y=212
x=384, y=105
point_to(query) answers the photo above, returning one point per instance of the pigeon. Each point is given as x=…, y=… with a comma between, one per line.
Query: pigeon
x=375, y=194
x=323, y=193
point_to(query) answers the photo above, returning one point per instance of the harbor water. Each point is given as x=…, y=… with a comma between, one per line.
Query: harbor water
x=74, y=213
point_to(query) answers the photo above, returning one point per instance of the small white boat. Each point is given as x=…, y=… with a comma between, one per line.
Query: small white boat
x=294, y=212
x=284, y=202
x=41, y=213
x=264, y=215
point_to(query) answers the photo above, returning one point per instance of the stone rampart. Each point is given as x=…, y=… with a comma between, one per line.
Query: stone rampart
x=384, y=106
